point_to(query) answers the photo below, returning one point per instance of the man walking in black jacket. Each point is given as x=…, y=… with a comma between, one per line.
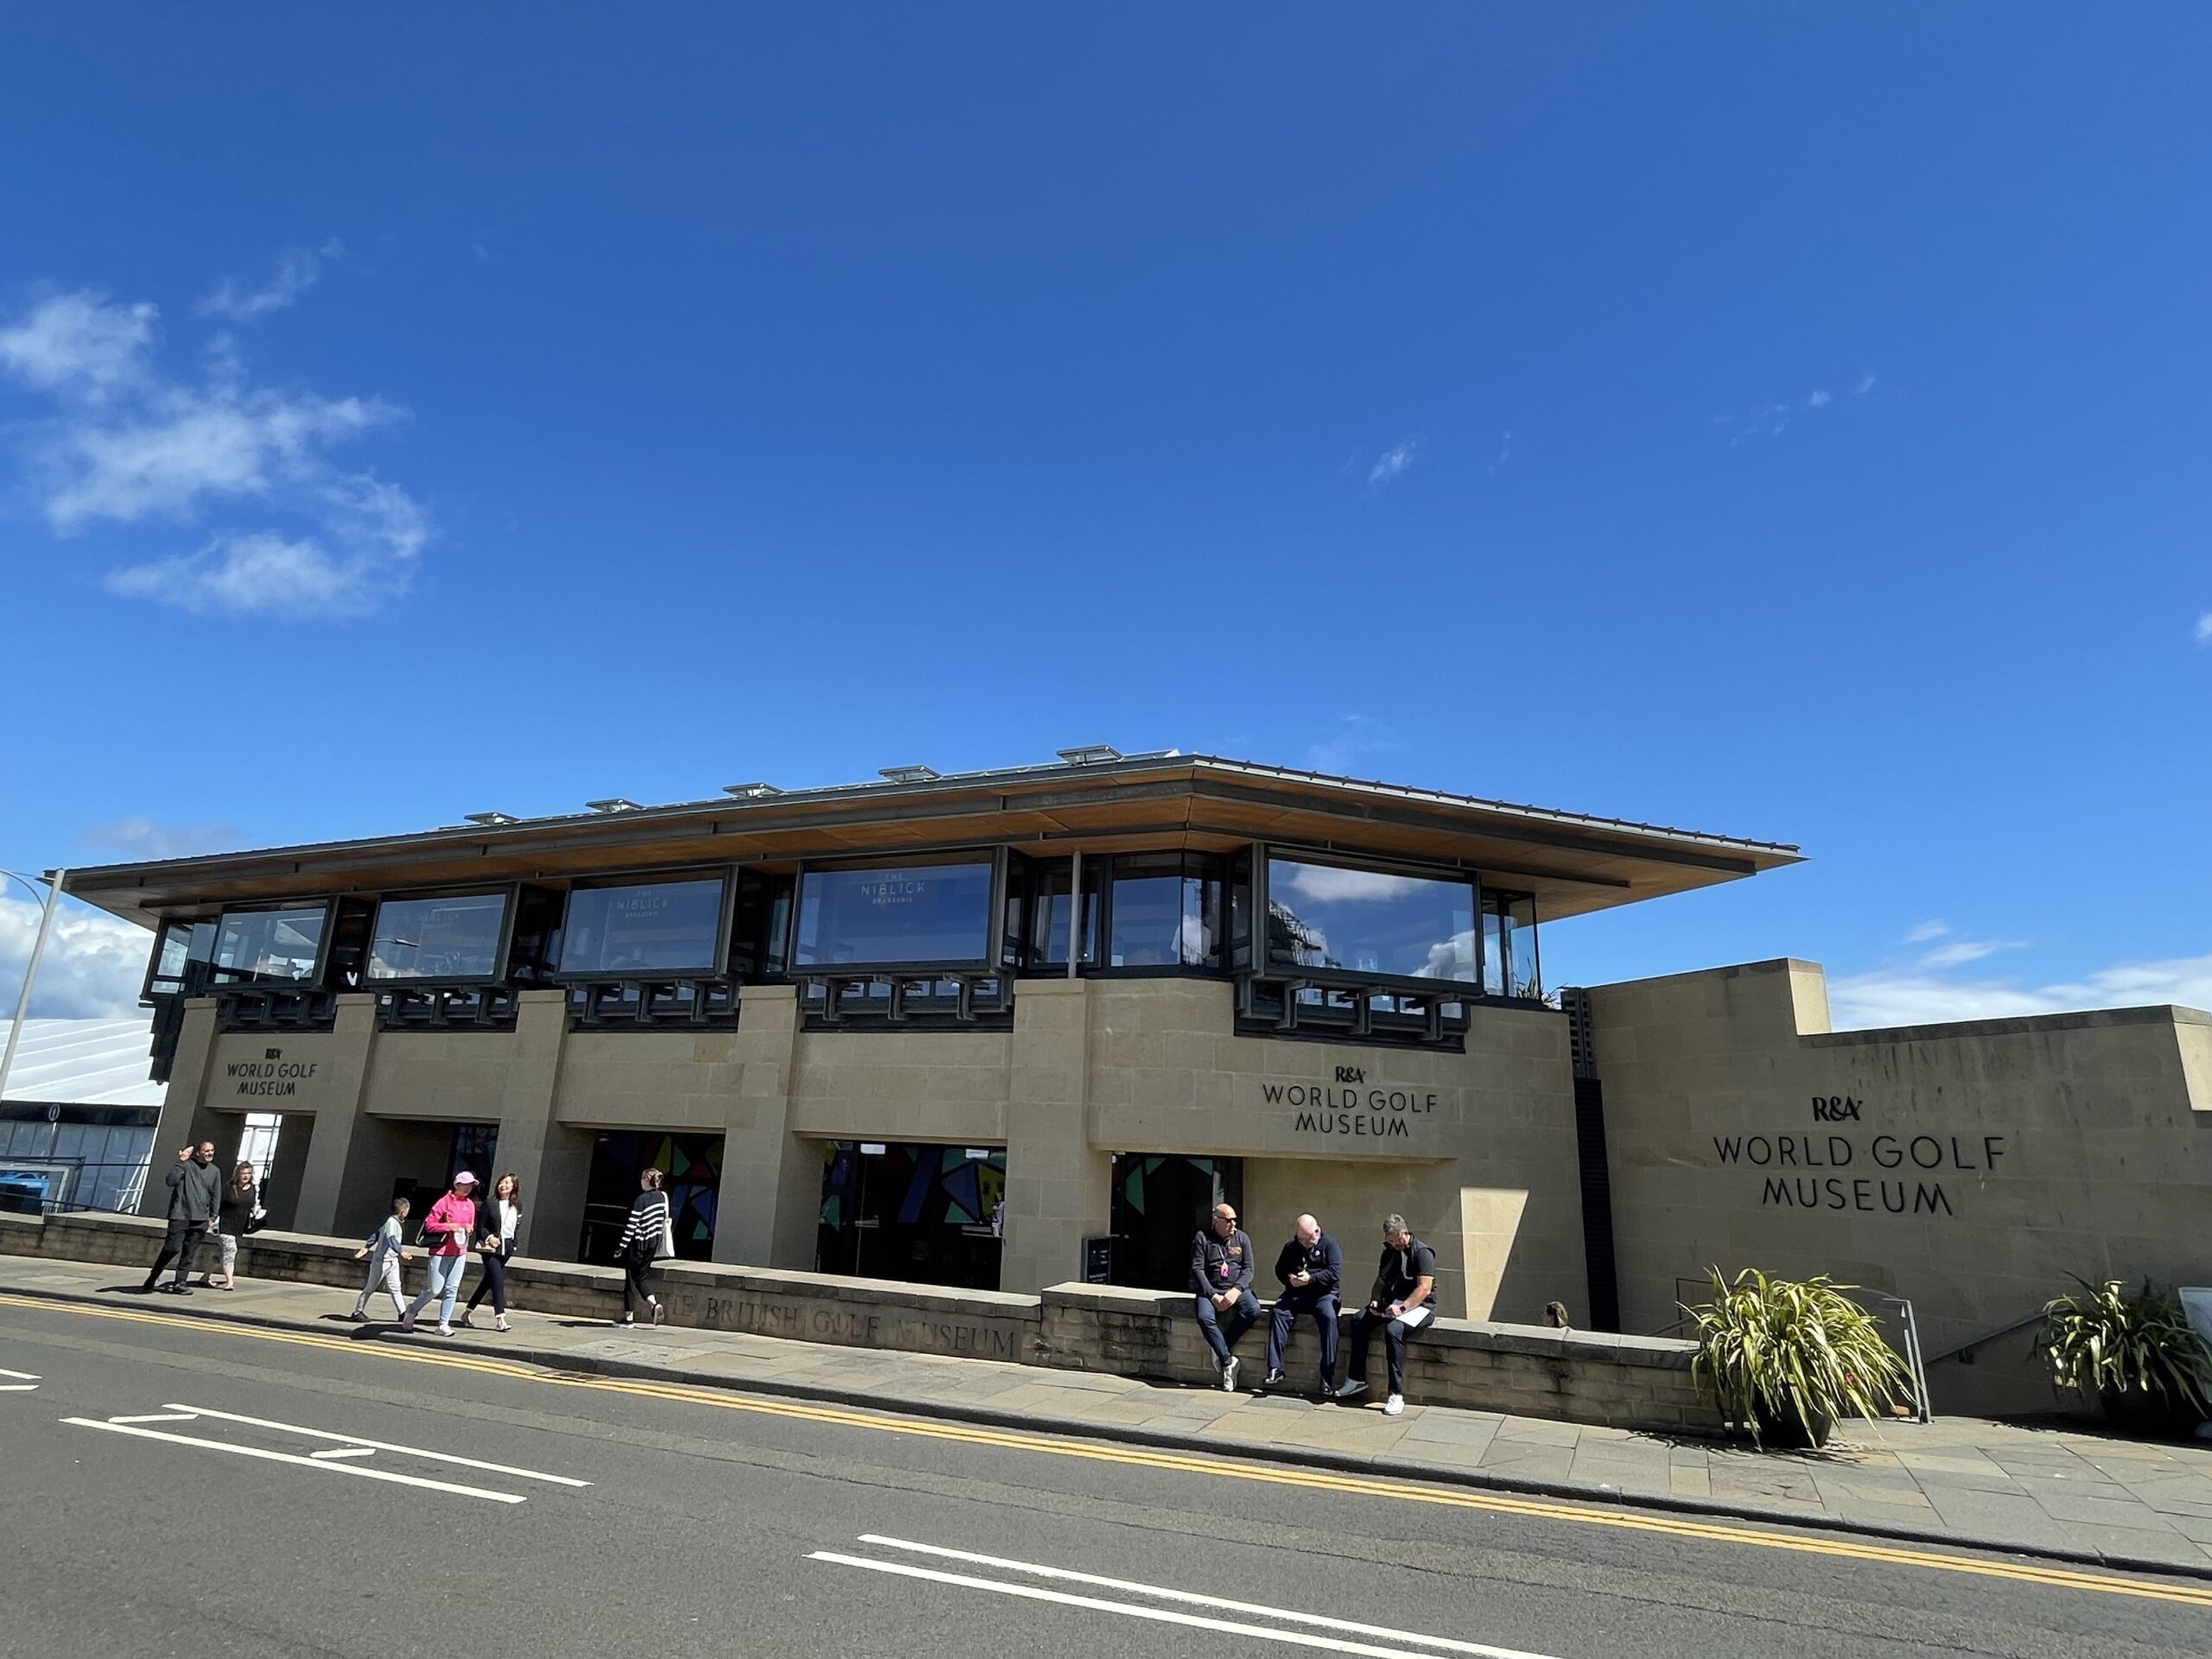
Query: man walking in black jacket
x=1309, y=1268
x=195, y=1200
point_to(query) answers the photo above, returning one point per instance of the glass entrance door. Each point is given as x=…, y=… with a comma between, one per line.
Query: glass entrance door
x=927, y=1215
x=1160, y=1203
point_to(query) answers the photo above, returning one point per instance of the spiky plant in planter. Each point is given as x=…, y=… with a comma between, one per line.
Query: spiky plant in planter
x=1786, y=1358
x=2136, y=1354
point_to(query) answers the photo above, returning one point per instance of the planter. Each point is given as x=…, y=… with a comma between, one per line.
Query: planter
x=2153, y=1416
x=1785, y=1433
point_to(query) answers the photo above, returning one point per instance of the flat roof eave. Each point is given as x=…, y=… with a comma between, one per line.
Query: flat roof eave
x=1576, y=861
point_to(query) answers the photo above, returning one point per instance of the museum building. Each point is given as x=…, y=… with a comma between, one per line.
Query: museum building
x=1007, y=1028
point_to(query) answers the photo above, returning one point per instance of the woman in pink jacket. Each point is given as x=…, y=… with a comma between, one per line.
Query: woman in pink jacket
x=446, y=1230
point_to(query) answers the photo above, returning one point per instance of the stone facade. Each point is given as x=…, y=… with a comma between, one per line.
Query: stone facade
x=1974, y=1168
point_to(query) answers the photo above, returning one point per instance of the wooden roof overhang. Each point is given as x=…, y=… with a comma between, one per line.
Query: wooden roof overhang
x=1571, y=862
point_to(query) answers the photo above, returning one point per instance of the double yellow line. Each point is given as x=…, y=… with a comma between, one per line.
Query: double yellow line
x=1229, y=1467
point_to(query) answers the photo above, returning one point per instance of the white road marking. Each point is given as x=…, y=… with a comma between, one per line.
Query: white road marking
x=157, y=1417
x=1192, y=1598
x=26, y=1376
x=18, y=1388
x=344, y=1452
x=1127, y=1610
x=378, y=1446
x=295, y=1459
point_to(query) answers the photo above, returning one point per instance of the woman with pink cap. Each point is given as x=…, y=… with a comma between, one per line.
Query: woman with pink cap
x=446, y=1230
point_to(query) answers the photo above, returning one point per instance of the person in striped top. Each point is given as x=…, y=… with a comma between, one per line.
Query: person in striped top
x=648, y=1238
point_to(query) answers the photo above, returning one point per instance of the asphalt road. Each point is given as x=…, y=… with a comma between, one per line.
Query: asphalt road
x=462, y=1506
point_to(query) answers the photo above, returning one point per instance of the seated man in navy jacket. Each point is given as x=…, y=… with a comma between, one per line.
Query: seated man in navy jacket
x=1311, y=1267
x=1402, y=1300
x=1221, y=1279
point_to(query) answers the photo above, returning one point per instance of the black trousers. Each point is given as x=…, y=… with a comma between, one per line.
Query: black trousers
x=637, y=1284
x=181, y=1244
x=1394, y=1346
x=493, y=1283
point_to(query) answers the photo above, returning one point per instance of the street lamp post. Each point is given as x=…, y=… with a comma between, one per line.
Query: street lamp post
x=54, y=880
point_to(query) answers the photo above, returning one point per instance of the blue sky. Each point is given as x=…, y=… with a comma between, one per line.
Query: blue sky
x=1785, y=421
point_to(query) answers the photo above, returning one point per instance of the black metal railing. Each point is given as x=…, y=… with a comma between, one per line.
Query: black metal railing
x=447, y=1007
x=693, y=1004
x=275, y=1008
x=1290, y=1006
x=839, y=1001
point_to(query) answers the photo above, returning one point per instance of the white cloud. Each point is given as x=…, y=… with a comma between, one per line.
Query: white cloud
x=143, y=838
x=1504, y=452
x=1958, y=952
x=1865, y=382
x=1393, y=462
x=1921, y=932
x=128, y=445
x=92, y=968
x=296, y=273
x=1356, y=735
x=77, y=346
x=1818, y=400
x=1325, y=884
x=1915, y=997
x=2204, y=629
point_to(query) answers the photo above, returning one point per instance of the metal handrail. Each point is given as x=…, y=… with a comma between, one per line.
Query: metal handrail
x=1964, y=1353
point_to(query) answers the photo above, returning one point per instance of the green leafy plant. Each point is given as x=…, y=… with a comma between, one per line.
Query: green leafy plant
x=2108, y=1343
x=1786, y=1358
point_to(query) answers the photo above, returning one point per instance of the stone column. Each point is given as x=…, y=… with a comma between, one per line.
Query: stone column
x=551, y=1160
x=338, y=1120
x=765, y=1215
x=1059, y=1186
x=185, y=1118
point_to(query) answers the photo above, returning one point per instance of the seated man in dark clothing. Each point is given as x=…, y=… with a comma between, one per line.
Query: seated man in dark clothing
x=1311, y=1267
x=1402, y=1300
x=1221, y=1279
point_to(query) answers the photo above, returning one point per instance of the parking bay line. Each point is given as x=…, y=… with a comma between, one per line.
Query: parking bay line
x=296, y=1461
x=26, y=1376
x=379, y=1446
x=1483, y=1650
x=1127, y=1610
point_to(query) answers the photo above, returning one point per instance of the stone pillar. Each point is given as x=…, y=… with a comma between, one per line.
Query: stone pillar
x=764, y=1214
x=185, y=1118
x=551, y=1160
x=1059, y=1186
x=321, y=1176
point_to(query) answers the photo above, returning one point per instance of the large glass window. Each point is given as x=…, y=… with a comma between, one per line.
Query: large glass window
x=269, y=946
x=1053, y=908
x=1166, y=911
x=181, y=944
x=656, y=927
x=1329, y=916
x=456, y=937
x=894, y=914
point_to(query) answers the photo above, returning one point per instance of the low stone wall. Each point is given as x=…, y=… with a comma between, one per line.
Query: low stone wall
x=1572, y=1376
x=1579, y=1376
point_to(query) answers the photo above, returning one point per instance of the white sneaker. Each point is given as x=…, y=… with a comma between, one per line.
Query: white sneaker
x=445, y=1329
x=1228, y=1375
x=1395, y=1405
x=1352, y=1390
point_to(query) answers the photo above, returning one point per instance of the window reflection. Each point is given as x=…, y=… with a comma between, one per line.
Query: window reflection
x=456, y=937
x=1330, y=917
x=894, y=914
x=1167, y=911
x=269, y=946
x=660, y=927
x=181, y=944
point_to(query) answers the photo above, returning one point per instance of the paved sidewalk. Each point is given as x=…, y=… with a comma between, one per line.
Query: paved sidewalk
x=1962, y=1481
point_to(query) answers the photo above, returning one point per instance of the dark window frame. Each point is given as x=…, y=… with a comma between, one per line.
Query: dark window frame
x=724, y=920
x=995, y=855
x=1265, y=968
x=510, y=894
x=323, y=940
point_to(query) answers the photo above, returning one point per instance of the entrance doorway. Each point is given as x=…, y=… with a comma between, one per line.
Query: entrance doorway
x=925, y=1215
x=692, y=1174
x=1160, y=1203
